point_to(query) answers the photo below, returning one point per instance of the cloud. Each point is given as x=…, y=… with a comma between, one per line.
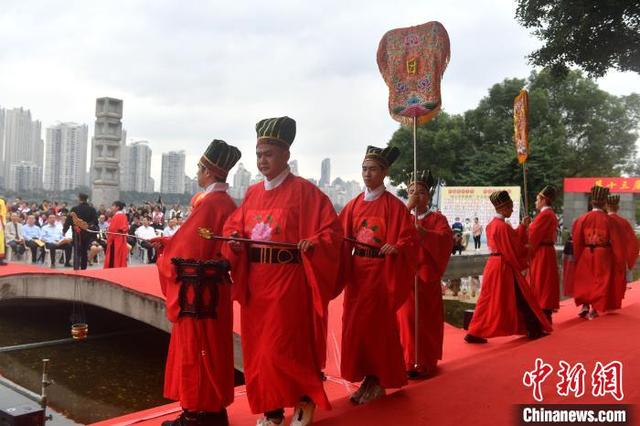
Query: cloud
x=192, y=71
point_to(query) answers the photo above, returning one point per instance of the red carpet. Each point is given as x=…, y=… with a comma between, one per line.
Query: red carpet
x=476, y=384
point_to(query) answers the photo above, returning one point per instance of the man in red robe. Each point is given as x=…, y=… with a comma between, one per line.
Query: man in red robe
x=543, y=268
x=199, y=371
x=435, y=242
x=378, y=275
x=598, y=250
x=283, y=290
x=506, y=305
x=630, y=244
x=117, y=251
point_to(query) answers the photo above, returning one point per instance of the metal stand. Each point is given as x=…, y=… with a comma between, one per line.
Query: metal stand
x=46, y=382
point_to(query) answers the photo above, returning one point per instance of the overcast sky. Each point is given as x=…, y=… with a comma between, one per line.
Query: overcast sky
x=192, y=71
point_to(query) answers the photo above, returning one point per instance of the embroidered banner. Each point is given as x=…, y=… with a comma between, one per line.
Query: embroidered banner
x=412, y=61
x=521, y=125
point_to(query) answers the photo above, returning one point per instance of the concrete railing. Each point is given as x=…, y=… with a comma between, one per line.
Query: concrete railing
x=461, y=266
x=94, y=291
x=469, y=265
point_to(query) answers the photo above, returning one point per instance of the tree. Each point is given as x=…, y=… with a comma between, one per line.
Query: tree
x=595, y=35
x=440, y=142
x=575, y=129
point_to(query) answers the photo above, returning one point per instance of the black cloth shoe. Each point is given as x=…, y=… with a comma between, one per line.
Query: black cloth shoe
x=584, y=311
x=201, y=418
x=533, y=335
x=3, y=263
x=470, y=338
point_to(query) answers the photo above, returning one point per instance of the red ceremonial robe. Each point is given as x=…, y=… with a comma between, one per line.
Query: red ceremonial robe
x=284, y=306
x=543, y=273
x=375, y=288
x=117, y=252
x=434, y=251
x=598, y=250
x=496, y=313
x=199, y=371
x=630, y=244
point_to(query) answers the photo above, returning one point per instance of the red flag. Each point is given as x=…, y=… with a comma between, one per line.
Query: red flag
x=521, y=125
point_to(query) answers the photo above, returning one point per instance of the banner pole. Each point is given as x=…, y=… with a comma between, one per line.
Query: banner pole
x=416, y=363
x=526, y=194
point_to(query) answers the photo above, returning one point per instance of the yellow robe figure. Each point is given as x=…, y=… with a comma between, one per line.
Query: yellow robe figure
x=3, y=220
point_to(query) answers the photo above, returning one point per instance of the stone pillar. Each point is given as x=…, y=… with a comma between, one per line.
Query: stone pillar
x=628, y=207
x=105, y=152
x=575, y=204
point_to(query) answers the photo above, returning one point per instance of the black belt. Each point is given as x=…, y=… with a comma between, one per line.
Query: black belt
x=495, y=254
x=594, y=246
x=367, y=252
x=547, y=243
x=274, y=255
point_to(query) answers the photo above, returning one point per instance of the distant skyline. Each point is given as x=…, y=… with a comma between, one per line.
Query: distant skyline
x=189, y=74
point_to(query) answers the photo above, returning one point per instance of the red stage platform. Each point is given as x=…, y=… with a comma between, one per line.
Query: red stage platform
x=476, y=384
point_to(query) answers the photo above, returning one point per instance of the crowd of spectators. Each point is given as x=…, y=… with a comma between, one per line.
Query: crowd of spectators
x=37, y=229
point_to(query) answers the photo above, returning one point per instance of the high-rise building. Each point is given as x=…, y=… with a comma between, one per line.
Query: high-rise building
x=172, y=176
x=293, y=167
x=140, y=167
x=125, y=182
x=37, y=144
x=105, y=152
x=325, y=173
x=25, y=176
x=66, y=156
x=22, y=142
x=241, y=182
x=190, y=185
x=2, y=115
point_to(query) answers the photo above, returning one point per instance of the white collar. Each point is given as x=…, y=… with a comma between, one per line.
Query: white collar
x=499, y=216
x=595, y=209
x=118, y=212
x=375, y=194
x=545, y=208
x=276, y=181
x=217, y=187
x=421, y=215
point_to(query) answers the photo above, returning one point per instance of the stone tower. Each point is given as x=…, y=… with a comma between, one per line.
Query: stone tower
x=105, y=152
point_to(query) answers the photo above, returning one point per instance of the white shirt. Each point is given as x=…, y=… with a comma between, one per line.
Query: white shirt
x=276, y=181
x=146, y=232
x=499, y=216
x=216, y=187
x=375, y=194
x=168, y=231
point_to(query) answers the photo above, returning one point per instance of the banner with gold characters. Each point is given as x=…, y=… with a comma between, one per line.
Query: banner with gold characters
x=521, y=125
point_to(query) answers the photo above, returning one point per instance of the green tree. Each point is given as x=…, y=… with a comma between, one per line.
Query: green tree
x=440, y=143
x=575, y=129
x=595, y=35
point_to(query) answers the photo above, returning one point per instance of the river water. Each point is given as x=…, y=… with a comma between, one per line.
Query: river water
x=94, y=379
